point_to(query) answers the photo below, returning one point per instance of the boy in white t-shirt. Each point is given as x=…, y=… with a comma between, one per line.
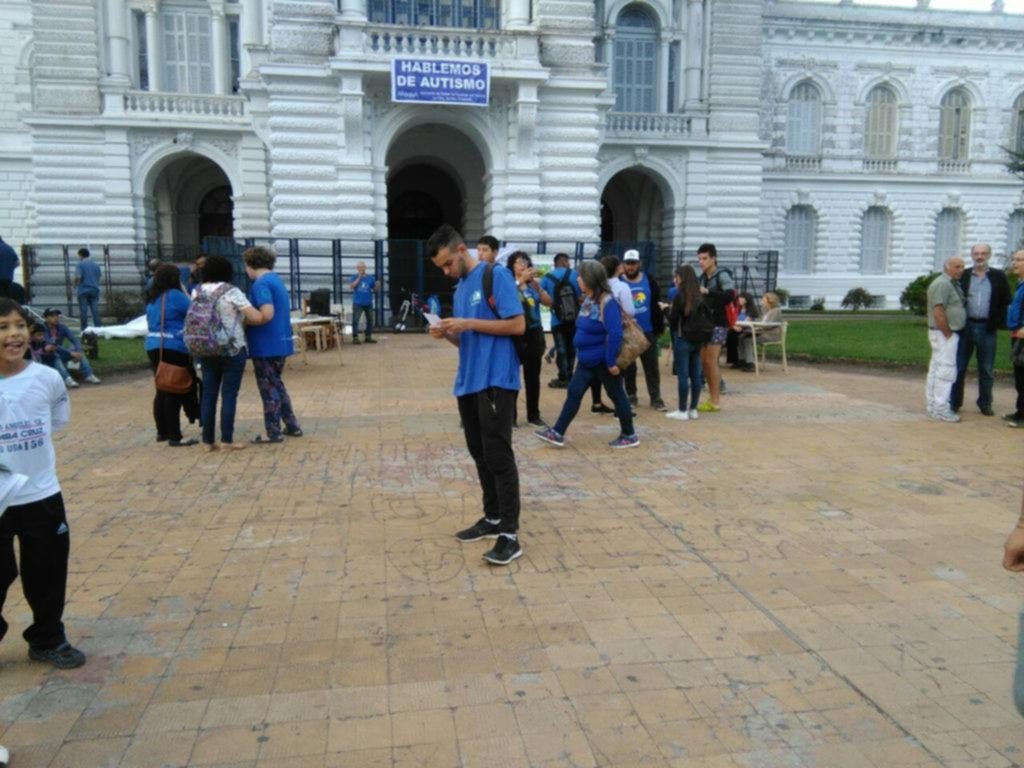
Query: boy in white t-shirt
x=33, y=405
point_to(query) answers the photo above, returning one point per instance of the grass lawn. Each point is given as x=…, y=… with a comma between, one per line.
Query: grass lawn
x=889, y=340
x=120, y=356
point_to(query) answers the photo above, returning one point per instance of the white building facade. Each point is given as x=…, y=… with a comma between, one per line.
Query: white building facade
x=862, y=143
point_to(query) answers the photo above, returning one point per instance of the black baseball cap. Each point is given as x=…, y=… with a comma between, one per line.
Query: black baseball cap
x=52, y=311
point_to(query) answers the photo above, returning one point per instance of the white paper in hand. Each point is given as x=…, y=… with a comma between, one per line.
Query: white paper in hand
x=10, y=484
x=432, y=318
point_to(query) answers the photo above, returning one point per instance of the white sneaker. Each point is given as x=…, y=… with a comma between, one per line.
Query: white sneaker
x=678, y=415
x=93, y=379
x=949, y=416
x=70, y=383
x=693, y=414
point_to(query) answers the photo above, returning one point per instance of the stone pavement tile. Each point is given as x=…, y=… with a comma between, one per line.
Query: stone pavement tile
x=96, y=753
x=480, y=689
x=557, y=749
x=35, y=755
x=422, y=727
x=26, y=731
x=359, y=732
x=443, y=754
x=626, y=745
x=169, y=748
x=485, y=721
x=360, y=758
x=215, y=746
x=655, y=707
x=293, y=738
x=603, y=712
x=307, y=705
x=172, y=716
x=356, y=701
x=236, y=710
x=104, y=722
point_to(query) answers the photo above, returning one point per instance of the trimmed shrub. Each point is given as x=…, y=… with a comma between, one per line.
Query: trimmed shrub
x=857, y=298
x=915, y=296
x=818, y=304
x=124, y=306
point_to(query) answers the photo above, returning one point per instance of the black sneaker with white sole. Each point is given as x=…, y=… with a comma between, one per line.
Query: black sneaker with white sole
x=481, y=529
x=505, y=551
x=64, y=656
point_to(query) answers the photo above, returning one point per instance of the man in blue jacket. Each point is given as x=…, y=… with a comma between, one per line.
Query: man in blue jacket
x=486, y=384
x=56, y=355
x=87, y=280
x=559, y=282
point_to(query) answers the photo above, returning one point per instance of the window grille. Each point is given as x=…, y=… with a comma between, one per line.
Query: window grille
x=636, y=45
x=948, y=235
x=142, y=54
x=955, y=125
x=874, y=247
x=801, y=227
x=880, y=124
x=803, y=121
x=465, y=14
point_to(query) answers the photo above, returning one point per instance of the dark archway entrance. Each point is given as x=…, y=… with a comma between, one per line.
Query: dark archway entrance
x=189, y=208
x=634, y=215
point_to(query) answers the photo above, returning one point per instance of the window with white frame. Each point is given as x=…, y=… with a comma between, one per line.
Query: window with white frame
x=465, y=14
x=948, y=235
x=875, y=241
x=188, y=51
x=955, y=125
x=1015, y=232
x=880, y=123
x=1017, y=141
x=798, y=248
x=803, y=121
x=635, y=66
x=141, y=53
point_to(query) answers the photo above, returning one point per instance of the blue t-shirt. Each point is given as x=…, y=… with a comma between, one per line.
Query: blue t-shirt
x=88, y=273
x=362, y=294
x=598, y=333
x=174, y=321
x=550, y=284
x=641, y=291
x=273, y=339
x=532, y=299
x=8, y=261
x=485, y=360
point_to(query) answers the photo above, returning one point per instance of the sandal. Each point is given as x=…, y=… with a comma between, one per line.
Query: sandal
x=261, y=440
x=208, y=447
x=182, y=443
x=293, y=432
x=232, y=446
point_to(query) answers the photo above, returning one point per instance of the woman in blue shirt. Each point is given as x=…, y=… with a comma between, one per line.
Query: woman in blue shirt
x=597, y=341
x=531, y=296
x=270, y=344
x=166, y=296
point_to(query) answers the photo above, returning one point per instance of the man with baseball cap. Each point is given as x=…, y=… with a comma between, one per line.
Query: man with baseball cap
x=649, y=317
x=56, y=355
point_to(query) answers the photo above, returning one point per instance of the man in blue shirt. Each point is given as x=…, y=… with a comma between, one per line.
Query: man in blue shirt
x=57, y=356
x=87, y=280
x=363, y=287
x=563, y=328
x=486, y=384
x=647, y=305
x=8, y=262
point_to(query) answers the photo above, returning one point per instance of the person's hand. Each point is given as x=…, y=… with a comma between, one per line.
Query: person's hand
x=613, y=370
x=436, y=331
x=703, y=291
x=948, y=334
x=1013, y=556
x=1018, y=334
x=453, y=324
x=49, y=348
x=76, y=355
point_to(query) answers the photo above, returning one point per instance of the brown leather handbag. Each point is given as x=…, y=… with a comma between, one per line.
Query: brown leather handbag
x=170, y=378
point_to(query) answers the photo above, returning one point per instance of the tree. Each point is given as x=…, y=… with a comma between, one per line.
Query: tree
x=915, y=295
x=1015, y=163
x=857, y=298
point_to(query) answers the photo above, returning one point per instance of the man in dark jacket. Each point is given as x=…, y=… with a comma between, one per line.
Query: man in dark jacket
x=987, y=295
x=646, y=302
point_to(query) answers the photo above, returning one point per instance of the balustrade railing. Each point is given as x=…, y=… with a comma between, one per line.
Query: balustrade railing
x=806, y=163
x=454, y=43
x=880, y=165
x=646, y=124
x=184, y=104
x=954, y=166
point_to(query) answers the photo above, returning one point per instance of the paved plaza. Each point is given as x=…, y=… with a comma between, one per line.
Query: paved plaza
x=809, y=578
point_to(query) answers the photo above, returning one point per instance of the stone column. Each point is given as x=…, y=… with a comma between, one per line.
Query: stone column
x=154, y=59
x=353, y=10
x=518, y=13
x=694, y=52
x=219, y=50
x=251, y=31
x=661, y=77
x=118, y=43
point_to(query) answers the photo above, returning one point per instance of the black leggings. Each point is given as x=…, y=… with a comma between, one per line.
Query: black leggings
x=532, y=360
x=167, y=406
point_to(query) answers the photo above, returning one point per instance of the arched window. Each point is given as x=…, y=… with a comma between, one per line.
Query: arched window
x=880, y=124
x=874, y=243
x=635, y=70
x=1015, y=232
x=948, y=235
x=803, y=121
x=1018, y=124
x=955, y=126
x=801, y=229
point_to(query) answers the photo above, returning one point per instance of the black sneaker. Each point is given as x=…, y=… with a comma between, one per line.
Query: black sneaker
x=537, y=422
x=1013, y=417
x=369, y=340
x=659, y=405
x=987, y=411
x=62, y=657
x=558, y=384
x=481, y=529
x=601, y=408
x=356, y=340
x=505, y=551
x=1015, y=423
x=634, y=400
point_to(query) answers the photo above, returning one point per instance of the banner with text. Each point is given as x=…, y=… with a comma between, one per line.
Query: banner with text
x=432, y=81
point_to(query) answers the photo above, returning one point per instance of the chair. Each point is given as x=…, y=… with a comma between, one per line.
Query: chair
x=780, y=342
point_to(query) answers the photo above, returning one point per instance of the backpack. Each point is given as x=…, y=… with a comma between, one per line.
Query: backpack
x=205, y=334
x=698, y=327
x=565, y=307
x=732, y=307
x=520, y=342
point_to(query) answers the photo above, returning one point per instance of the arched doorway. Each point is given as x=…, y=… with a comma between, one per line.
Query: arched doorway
x=189, y=207
x=634, y=214
x=435, y=177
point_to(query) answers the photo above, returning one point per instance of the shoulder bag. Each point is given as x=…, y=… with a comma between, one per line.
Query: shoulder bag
x=634, y=340
x=170, y=378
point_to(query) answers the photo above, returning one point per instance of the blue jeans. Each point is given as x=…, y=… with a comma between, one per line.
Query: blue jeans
x=565, y=352
x=221, y=375
x=578, y=387
x=975, y=335
x=60, y=357
x=368, y=313
x=686, y=357
x=89, y=301
x=1018, y=676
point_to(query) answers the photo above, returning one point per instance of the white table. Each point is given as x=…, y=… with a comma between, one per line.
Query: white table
x=754, y=326
x=318, y=324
